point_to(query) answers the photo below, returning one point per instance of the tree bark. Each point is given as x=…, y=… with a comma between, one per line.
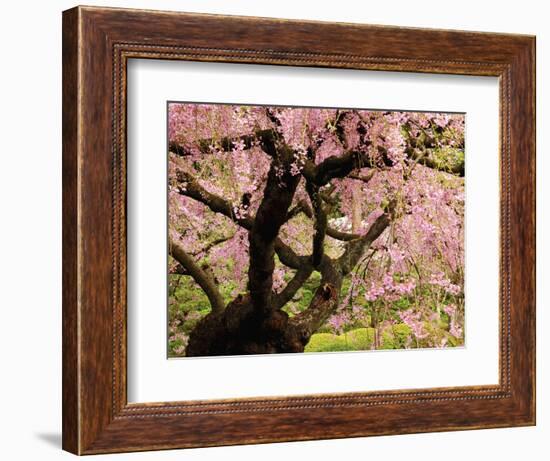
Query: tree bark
x=271, y=215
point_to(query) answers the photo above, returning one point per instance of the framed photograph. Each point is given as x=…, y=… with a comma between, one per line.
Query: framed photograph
x=280, y=230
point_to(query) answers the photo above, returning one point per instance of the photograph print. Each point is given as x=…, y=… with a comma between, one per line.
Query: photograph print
x=307, y=229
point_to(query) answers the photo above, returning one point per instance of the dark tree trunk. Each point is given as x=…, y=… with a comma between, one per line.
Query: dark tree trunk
x=240, y=329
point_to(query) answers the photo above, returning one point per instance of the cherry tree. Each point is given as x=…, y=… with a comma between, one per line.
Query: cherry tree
x=262, y=199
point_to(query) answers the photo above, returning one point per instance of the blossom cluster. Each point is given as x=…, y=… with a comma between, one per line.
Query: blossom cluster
x=439, y=279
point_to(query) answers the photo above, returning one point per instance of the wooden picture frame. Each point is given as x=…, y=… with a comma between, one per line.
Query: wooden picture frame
x=97, y=43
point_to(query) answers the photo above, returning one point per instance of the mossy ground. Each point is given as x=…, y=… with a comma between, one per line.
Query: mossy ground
x=360, y=339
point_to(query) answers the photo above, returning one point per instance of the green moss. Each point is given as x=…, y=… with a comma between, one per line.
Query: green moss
x=448, y=158
x=355, y=340
x=326, y=342
x=360, y=339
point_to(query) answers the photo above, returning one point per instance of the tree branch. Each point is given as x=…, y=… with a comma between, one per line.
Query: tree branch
x=212, y=244
x=323, y=303
x=356, y=248
x=343, y=236
x=366, y=178
x=203, y=279
x=189, y=187
x=228, y=143
x=301, y=207
x=288, y=256
x=178, y=149
x=335, y=167
x=304, y=207
x=341, y=166
x=428, y=158
x=320, y=223
x=300, y=277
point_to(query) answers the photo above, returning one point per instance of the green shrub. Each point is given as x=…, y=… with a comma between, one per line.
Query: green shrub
x=360, y=339
x=401, y=333
x=395, y=336
x=402, y=304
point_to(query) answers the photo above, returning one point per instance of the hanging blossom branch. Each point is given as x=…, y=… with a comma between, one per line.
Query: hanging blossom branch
x=227, y=143
x=189, y=187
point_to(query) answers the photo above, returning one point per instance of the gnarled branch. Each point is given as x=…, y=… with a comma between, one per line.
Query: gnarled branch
x=340, y=166
x=212, y=244
x=356, y=248
x=324, y=301
x=203, y=279
x=288, y=292
x=190, y=187
x=305, y=208
x=363, y=178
